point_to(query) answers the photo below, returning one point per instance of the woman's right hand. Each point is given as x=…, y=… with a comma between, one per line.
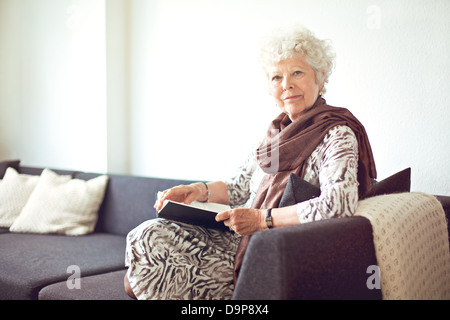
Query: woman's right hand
x=182, y=193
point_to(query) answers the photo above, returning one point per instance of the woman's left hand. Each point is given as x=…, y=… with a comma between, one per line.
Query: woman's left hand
x=243, y=221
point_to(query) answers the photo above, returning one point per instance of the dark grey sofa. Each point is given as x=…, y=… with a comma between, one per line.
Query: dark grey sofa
x=34, y=266
x=319, y=260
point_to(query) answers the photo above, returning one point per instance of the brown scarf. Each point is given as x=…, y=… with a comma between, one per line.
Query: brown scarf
x=293, y=144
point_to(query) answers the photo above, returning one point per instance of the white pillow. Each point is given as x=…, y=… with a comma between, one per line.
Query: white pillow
x=62, y=205
x=15, y=189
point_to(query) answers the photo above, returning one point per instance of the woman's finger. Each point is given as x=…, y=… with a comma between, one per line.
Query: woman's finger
x=168, y=194
x=223, y=216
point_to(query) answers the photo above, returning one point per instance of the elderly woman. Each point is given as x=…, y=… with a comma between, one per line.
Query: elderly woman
x=324, y=145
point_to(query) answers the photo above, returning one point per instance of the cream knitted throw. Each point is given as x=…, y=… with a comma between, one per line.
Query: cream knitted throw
x=411, y=245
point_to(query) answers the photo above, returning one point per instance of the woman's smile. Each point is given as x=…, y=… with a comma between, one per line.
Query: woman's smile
x=293, y=97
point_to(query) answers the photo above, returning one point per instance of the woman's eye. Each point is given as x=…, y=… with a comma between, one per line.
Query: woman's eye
x=276, y=78
x=297, y=73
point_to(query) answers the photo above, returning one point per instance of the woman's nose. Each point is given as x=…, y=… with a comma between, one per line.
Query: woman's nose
x=286, y=84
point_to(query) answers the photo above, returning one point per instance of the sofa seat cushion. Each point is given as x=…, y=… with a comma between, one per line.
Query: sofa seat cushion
x=30, y=261
x=105, y=286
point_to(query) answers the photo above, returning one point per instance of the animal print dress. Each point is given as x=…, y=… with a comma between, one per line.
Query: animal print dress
x=168, y=260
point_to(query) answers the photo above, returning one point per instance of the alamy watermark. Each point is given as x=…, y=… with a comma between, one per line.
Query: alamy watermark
x=373, y=21
x=271, y=152
x=74, y=280
x=374, y=280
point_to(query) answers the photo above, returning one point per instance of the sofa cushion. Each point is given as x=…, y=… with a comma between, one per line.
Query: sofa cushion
x=298, y=190
x=31, y=261
x=128, y=201
x=397, y=183
x=60, y=204
x=105, y=286
x=15, y=190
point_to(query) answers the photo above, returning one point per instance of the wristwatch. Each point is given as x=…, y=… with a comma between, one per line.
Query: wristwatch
x=269, y=218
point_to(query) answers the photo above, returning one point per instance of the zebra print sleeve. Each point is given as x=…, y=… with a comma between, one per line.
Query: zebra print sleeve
x=333, y=165
x=239, y=186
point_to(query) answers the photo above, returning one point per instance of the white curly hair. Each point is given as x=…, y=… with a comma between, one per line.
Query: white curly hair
x=287, y=42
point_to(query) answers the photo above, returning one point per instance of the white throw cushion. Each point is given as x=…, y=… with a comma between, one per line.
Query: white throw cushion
x=62, y=205
x=15, y=189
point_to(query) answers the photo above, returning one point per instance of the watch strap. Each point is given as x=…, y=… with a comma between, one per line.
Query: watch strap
x=269, y=218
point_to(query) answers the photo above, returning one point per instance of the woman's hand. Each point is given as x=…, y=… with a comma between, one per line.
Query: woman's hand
x=244, y=221
x=184, y=194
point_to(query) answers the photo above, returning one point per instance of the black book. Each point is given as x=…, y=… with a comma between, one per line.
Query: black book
x=197, y=213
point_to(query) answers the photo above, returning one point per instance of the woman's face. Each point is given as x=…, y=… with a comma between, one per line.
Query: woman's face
x=293, y=85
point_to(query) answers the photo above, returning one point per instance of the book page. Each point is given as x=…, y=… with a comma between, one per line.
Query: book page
x=210, y=206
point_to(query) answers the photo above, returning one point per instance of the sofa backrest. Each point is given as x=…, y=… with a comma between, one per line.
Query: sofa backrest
x=128, y=201
x=38, y=171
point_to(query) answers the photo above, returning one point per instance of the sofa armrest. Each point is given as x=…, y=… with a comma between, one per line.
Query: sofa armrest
x=319, y=260
x=445, y=201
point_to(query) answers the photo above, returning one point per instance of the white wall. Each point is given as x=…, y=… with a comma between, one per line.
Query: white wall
x=195, y=60
x=118, y=86
x=191, y=101
x=53, y=111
